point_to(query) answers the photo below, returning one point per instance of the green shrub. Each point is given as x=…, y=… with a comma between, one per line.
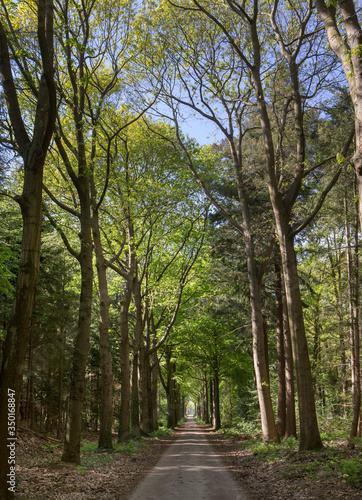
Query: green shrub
x=180, y=422
x=351, y=469
x=129, y=448
x=161, y=432
x=89, y=447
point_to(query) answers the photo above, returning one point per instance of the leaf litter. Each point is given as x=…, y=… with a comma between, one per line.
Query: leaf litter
x=114, y=475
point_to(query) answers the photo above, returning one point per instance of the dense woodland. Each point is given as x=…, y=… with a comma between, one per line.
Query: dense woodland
x=141, y=270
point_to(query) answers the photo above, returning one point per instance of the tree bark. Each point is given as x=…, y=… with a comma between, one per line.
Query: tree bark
x=61, y=372
x=106, y=410
x=211, y=401
x=317, y=355
x=138, y=334
x=282, y=402
x=216, y=382
x=353, y=289
x=135, y=402
x=171, y=394
x=33, y=152
x=124, y=417
x=309, y=432
x=145, y=391
x=71, y=452
x=291, y=425
x=337, y=288
x=206, y=414
x=29, y=400
x=261, y=368
x=154, y=390
x=349, y=53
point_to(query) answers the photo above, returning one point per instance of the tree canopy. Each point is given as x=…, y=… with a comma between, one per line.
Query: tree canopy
x=147, y=270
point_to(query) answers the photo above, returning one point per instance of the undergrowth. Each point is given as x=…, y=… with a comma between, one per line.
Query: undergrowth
x=336, y=459
x=92, y=456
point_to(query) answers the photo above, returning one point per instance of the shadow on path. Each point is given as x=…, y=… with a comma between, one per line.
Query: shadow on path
x=190, y=468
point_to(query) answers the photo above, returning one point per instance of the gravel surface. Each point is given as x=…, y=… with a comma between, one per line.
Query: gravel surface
x=116, y=476
x=189, y=465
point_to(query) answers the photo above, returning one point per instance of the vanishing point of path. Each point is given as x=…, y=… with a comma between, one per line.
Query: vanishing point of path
x=190, y=468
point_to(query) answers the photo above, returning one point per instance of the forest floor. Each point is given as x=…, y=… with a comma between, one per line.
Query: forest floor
x=274, y=475
x=279, y=474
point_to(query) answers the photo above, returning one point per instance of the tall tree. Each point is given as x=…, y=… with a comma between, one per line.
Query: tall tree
x=74, y=154
x=337, y=15
x=218, y=92
x=353, y=297
x=147, y=167
x=32, y=146
x=246, y=34
x=90, y=118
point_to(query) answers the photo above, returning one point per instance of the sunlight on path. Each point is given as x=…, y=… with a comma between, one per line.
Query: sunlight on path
x=189, y=469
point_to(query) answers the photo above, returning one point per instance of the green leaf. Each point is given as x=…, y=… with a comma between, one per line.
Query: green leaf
x=340, y=158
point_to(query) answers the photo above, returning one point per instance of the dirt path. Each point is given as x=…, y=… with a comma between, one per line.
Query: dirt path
x=190, y=468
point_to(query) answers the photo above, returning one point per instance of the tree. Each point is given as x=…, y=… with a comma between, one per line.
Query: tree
x=294, y=43
x=90, y=118
x=353, y=296
x=210, y=344
x=217, y=92
x=348, y=50
x=150, y=192
x=32, y=148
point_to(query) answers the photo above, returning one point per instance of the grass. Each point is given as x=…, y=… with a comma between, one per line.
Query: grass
x=92, y=457
x=161, y=432
x=335, y=460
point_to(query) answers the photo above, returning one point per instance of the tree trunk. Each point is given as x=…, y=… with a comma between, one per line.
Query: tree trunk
x=170, y=388
x=138, y=333
x=261, y=368
x=317, y=356
x=309, y=432
x=71, y=453
x=17, y=337
x=154, y=391
x=60, y=376
x=178, y=405
x=217, y=418
x=124, y=417
x=106, y=413
x=349, y=53
x=352, y=268
x=291, y=425
x=145, y=391
x=282, y=207
x=206, y=415
x=29, y=400
x=146, y=409
x=172, y=398
x=282, y=402
x=183, y=407
x=170, y=404
x=229, y=418
x=135, y=402
x=211, y=402
x=337, y=288
x=33, y=152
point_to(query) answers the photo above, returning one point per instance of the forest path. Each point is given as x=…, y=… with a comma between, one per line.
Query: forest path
x=190, y=468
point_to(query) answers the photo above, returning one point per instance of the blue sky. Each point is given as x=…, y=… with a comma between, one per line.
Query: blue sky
x=204, y=131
